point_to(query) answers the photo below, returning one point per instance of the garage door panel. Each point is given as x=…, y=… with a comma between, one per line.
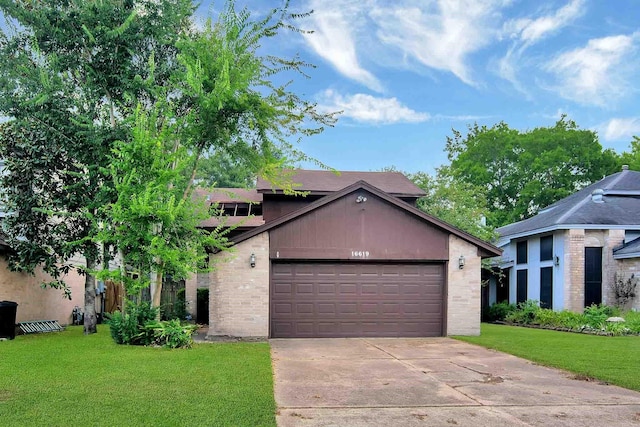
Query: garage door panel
x=356, y=299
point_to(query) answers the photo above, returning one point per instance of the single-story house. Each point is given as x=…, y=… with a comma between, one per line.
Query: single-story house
x=353, y=258
x=567, y=255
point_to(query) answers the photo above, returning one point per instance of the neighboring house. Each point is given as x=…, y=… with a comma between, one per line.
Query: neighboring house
x=353, y=258
x=567, y=255
x=34, y=302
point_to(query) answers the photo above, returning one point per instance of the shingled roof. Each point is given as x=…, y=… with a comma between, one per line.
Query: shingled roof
x=322, y=182
x=613, y=201
x=628, y=250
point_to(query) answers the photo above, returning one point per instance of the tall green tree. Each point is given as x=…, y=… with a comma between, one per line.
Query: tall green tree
x=113, y=105
x=221, y=170
x=456, y=202
x=222, y=100
x=632, y=157
x=70, y=71
x=521, y=172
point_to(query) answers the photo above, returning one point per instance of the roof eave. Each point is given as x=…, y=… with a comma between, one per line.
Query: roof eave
x=503, y=239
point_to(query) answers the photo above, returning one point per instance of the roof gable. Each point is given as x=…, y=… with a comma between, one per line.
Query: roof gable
x=484, y=248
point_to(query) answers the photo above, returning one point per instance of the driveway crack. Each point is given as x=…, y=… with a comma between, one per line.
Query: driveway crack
x=415, y=368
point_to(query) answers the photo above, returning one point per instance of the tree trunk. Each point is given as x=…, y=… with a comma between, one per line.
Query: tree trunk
x=157, y=294
x=90, y=299
x=123, y=271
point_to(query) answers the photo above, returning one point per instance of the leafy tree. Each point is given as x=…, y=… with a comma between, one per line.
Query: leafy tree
x=521, y=172
x=154, y=227
x=221, y=100
x=113, y=105
x=454, y=201
x=632, y=157
x=221, y=170
x=70, y=72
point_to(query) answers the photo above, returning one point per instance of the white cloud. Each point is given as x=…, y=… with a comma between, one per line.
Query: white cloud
x=439, y=34
x=461, y=117
x=618, y=129
x=530, y=31
x=365, y=108
x=527, y=31
x=598, y=73
x=333, y=25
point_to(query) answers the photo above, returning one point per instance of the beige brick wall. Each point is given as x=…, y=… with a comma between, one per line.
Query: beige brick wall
x=463, y=289
x=36, y=303
x=574, y=241
x=239, y=294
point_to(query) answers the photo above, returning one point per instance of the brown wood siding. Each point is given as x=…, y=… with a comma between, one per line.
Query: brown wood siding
x=356, y=299
x=371, y=230
x=274, y=206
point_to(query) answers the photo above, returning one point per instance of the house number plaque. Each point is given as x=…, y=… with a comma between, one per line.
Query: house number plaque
x=360, y=254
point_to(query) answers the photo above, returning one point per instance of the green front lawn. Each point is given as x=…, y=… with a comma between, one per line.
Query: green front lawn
x=612, y=359
x=65, y=378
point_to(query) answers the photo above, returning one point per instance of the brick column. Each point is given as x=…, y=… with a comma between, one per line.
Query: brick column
x=239, y=293
x=463, y=289
x=574, y=270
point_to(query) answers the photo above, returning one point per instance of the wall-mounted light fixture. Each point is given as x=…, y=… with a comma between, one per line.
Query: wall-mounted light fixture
x=252, y=260
x=556, y=260
x=461, y=262
x=361, y=199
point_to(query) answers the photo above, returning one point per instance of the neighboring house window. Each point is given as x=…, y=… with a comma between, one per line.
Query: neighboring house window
x=241, y=209
x=521, y=286
x=546, y=248
x=521, y=252
x=546, y=287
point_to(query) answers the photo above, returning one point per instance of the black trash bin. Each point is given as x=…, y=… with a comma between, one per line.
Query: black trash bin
x=8, y=311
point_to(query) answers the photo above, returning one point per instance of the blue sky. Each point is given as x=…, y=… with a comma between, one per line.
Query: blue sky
x=406, y=72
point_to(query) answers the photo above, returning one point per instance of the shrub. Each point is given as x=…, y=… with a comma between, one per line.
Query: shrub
x=525, y=313
x=546, y=317
x=592, y=320
x=616, y=329
x=129, y=328
x=632, y=321
x=172, y=333
x=570, y=320
x=497, y=311
x=596, y=315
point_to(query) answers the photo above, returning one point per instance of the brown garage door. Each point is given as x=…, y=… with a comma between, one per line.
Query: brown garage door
x=356, y=300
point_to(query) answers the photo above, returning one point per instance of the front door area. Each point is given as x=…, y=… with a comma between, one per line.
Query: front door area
x=592, y=276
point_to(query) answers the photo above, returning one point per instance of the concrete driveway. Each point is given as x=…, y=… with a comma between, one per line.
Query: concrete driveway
x=433, y=382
